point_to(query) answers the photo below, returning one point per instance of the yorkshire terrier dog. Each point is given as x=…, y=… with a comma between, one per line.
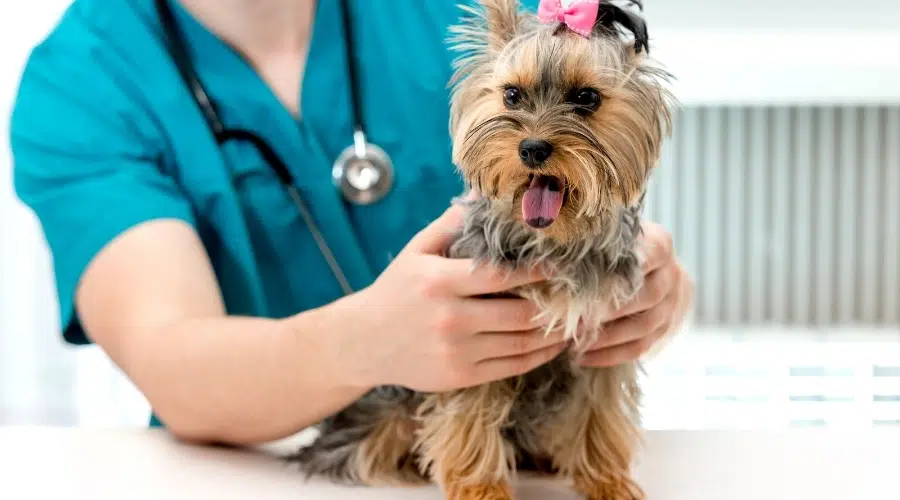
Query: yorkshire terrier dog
x=557, y=120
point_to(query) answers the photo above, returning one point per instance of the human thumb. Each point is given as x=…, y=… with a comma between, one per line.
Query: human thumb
x=435, y=238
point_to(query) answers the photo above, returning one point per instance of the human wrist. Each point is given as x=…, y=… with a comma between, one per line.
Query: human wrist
x=332, y=334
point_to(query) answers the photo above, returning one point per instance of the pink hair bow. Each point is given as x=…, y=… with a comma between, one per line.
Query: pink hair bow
x=579, y=16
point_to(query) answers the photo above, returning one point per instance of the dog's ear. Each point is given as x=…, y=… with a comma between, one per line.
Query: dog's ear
x=612, y=20
x=503, y=21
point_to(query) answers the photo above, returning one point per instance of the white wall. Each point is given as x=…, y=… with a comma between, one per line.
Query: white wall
x=832, y=16
x=782, y=52
x=41, y=380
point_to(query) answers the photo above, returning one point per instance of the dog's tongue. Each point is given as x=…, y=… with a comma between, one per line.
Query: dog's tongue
x=542, y=201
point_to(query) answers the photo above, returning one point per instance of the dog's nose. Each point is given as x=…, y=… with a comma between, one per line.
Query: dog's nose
x=534, y=152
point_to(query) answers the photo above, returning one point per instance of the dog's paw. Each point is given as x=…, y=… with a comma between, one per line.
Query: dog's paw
x=481, y=492
x=618, y=489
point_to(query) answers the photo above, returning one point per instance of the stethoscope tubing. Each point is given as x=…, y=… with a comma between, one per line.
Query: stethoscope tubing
x=223, y=134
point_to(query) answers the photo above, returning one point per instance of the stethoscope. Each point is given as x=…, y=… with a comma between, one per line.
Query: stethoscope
x=363, y=172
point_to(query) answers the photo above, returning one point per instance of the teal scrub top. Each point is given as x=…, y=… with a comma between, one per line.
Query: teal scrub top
x=106, y=136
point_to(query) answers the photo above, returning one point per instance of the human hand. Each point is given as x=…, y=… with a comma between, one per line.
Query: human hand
x=422, y=324
x=658, y=309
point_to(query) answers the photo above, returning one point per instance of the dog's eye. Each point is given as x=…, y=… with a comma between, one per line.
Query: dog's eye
x=512, y=96
x=587, y=99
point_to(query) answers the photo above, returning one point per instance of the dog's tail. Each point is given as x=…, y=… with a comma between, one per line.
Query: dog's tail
x=367, y=444
x=332, y=456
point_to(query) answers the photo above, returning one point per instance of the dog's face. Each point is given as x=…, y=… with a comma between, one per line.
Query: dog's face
x=558, y=127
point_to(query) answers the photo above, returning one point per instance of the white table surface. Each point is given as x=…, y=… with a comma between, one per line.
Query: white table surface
x=689, y=465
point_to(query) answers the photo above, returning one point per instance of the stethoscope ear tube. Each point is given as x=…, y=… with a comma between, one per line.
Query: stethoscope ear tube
x=183, y=63
x=363, y=172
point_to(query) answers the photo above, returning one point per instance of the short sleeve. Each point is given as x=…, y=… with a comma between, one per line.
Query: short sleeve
x=83, y=165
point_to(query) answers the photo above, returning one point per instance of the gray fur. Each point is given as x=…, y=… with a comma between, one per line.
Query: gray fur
x=331, y=455
x=600, y=269
x=583, y=269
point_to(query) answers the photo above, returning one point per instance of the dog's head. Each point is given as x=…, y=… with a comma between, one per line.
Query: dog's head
x=558, y=121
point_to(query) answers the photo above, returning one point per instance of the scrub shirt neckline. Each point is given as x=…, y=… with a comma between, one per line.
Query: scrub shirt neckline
x=221, y=57
x=232, y=80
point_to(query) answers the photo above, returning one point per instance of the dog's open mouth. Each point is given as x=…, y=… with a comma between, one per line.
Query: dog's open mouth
x=543, y=199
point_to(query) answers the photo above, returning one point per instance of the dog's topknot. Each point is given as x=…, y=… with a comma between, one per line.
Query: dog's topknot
x=612, y=20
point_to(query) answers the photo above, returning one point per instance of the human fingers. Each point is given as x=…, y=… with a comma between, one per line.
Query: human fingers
x=505, y=344
x=499, y=314
x=658, y=285
x=623, y=353
x=638, y=326
x=685, y=298
x=470, y=195
x=470, y=279
x=435, y=238
x=659, y=248
x=500, y=368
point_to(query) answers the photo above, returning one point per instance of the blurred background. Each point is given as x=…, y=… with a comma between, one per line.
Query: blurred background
x=781, y=187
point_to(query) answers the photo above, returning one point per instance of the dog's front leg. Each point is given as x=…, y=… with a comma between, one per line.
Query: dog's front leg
x=594, y=439
x=461, y=442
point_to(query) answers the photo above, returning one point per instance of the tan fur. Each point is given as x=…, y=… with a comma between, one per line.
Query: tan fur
x=460, y=436
x=584, y=420
x=481, y=492
x=623, y=488
x=604, y=159
x=594, y=440
x=631, y=108
x=503, y=21
x=384, y=456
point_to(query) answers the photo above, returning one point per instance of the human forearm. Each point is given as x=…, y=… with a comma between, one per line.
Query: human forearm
x=151, y=300
x=239, y=380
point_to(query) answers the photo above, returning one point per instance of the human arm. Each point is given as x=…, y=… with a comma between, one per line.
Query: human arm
x=125, y=247
x=150, y=300
x=130, y=271
x=95, y=163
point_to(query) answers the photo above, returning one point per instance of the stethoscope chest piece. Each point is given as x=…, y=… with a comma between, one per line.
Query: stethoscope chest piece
x=363, y=172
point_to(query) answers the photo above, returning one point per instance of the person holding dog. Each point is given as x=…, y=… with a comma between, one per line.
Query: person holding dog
x=184, y=161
